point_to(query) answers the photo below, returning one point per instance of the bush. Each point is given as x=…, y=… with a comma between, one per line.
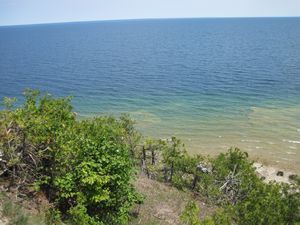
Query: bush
x=94, y=171
x=230, y=182
x=190, y=215
x=84, y=167
x=269, y=204
x=28, y=137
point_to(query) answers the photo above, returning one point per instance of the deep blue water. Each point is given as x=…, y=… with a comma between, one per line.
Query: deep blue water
x=213, y=82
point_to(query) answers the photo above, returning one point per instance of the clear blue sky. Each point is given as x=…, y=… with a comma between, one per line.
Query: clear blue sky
x=48, y=11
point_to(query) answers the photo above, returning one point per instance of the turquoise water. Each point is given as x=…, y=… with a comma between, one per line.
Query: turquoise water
x=215, y=83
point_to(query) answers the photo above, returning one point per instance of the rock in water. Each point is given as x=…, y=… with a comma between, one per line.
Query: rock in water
x=280, y=173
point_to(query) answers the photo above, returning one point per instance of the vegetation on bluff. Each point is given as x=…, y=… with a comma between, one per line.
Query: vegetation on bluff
x=228, y=181
x=85, y=168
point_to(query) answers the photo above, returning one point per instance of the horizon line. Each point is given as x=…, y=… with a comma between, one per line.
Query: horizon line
x=150, y=18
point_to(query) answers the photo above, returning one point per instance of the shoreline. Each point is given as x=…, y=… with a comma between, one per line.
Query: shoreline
x=267, y=159
x=271, y=173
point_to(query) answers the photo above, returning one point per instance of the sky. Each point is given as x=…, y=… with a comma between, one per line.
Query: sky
x=14, y=12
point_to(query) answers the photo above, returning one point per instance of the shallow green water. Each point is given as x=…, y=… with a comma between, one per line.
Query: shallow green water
x=214, y=83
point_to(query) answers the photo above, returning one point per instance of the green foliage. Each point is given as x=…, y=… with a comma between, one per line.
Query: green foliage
x=230, y=181
x=234, y=159
x=190, y=215
x=28, y=136
x=295, y=179
x=172, y=153
x=187, y=174
x=84, y=167
x=79, y=215
x=9, y=102
x=233, y=175
x=97, y=170
x=53, y=217
x=269, y=204
x=221, y=217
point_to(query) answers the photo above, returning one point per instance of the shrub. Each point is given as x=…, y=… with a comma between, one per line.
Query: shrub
x=269, y=204
x=190, y=215
x=28, y=136
x=84, y=167
x=94, y=171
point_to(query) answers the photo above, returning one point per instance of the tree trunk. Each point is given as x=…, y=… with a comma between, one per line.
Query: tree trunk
x=165, y=174
x=144, y=162
x=144, y=153
x=195, y=180
x=171, y=171
x=152, y=157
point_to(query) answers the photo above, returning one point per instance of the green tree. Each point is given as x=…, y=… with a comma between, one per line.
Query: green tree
x=84, y=167
x=172, y=153
x=97, y=171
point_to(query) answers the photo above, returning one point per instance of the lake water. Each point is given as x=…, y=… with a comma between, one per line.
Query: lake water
x=214, y=83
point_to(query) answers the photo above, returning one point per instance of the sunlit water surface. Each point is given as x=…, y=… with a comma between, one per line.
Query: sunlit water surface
x=214, y=83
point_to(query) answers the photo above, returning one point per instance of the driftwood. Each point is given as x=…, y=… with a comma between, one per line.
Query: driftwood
x=231, y=184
